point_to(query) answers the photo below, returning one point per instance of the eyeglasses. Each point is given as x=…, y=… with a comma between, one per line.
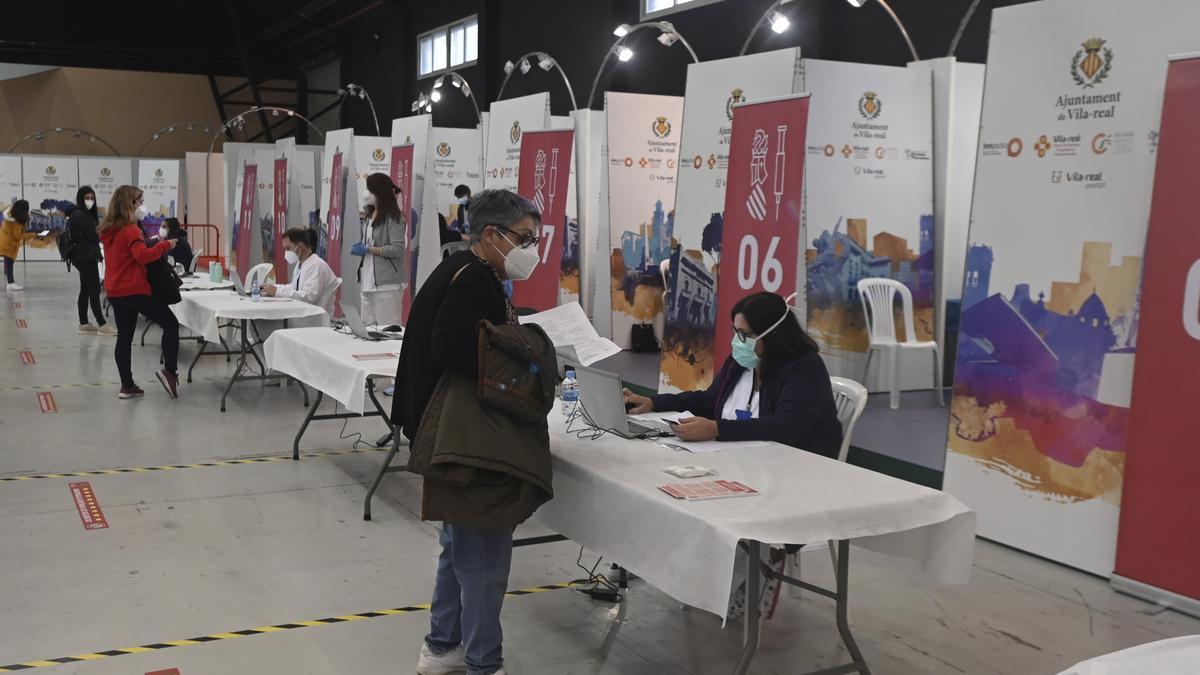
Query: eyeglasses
x=744, y=336
x=527, y=239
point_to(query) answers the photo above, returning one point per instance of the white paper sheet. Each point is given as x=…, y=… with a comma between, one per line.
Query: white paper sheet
x=706, y=447
x=568, y=326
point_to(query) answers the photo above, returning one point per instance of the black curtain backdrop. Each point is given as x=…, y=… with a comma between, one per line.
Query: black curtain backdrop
x=379, y=47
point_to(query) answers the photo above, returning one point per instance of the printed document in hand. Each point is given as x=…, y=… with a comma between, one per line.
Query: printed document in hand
x=568, y=326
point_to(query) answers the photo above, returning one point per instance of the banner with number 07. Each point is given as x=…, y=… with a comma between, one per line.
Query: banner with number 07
x=760, y=241
x=542, y=178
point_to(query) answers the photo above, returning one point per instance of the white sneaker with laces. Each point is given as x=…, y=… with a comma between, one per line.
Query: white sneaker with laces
x=88, y=328
x=452, y=662
x=16, y=287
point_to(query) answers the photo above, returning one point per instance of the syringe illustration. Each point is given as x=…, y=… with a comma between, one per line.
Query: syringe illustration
x=780, y=156
x=553, y=177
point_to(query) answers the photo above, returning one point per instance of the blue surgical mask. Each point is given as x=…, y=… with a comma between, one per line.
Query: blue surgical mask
x=743, y=352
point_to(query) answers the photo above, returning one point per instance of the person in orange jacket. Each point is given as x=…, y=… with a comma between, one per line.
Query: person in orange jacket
x=12, y=237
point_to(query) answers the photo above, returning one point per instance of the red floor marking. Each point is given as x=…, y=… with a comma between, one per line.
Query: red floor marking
x=16, y=305
x=21, y=323
x=168, y=671
x=46, y=401
x=88, y=507
x=27, y=358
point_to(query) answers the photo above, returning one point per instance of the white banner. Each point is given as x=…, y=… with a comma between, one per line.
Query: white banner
x=508, y=120
x=456, y=161
x=643, y=149
x=713, y=87
x=236, y=156
x=49, y=185
x=869, y=209
x=573, y=251
x=10, y=180
x=1050, y=306
x=158, y=179
x=591, y=172
x=104, y=175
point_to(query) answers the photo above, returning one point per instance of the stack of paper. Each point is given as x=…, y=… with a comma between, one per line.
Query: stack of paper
x=569, y=329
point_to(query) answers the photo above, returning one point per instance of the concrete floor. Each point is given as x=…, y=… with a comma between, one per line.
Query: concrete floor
x=211, y=550
x=915, y=432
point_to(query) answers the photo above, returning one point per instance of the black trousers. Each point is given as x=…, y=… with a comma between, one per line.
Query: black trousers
x=89, y=291
x=126, y=310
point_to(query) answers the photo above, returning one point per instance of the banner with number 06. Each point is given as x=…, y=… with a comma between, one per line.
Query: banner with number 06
x=760, y=241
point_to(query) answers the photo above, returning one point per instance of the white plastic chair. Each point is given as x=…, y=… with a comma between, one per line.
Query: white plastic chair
x=259, y=273
x=195, y=259
x=326, y=300
x=454, y=247
x=850, y=398
x=878, y=298
x=664, y=269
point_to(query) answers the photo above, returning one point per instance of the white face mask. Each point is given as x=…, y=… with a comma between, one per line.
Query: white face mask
x=464, y=200
x=140, y=213
x=89, y=203
x=291, y=257
x=520, y=262
x=163, y=232
x=366, y=199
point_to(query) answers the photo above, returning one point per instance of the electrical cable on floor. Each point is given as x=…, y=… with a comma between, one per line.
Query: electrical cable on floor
x=610, y=593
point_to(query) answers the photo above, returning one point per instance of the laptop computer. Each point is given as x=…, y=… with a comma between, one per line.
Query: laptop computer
x=604, y=405
x=355, y=322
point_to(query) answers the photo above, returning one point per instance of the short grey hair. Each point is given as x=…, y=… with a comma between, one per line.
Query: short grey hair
x=499, y=207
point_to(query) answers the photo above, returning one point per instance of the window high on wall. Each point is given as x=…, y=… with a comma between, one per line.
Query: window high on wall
x=653, y=9
x=452, y=46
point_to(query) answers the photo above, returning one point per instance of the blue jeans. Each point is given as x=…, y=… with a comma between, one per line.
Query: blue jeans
x=472, y=577
x=8, y=269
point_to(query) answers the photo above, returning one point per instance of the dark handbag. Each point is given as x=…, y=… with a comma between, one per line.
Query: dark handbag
x=164, y=282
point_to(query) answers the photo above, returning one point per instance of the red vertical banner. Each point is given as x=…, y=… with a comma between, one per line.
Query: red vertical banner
x=337, y=189
x=764, y=197
x=542, y=177
x=402, y=176
x=1156, y=542
x=245, y=219
x=280, y=214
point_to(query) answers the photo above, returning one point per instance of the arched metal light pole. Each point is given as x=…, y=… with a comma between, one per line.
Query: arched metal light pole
x=779, y=23
x=79, y=133
x=667, y=36
x=546, y=63
x=170, y=129
x=238, y=121
x=903, y=31
x=424, y=103
x=354, y=90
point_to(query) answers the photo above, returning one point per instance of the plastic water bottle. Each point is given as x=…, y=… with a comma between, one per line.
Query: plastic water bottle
x=255, y=291
x=570, y=394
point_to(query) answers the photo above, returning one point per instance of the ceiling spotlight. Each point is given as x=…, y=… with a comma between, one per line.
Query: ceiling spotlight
x=341, y=91
x=435, y=96
x=508, y=67
x=457, y=82
x=172, y=129
x=624, y=54
x=466, y=89
x=779, y=22
x=437, y=84
x=274, y=113
x=156, y=137
x=857, y=3
x=668, y=38
x=545, y=62
x=622, y=30
x=525, y=66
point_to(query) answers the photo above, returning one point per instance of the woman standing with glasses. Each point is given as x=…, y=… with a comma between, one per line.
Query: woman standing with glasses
x=774, y=387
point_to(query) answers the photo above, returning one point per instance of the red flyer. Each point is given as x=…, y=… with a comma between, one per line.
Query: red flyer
x=764, y=199
x=709, y=489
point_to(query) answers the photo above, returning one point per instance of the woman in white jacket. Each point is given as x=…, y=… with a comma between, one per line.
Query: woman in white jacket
x=383, y=272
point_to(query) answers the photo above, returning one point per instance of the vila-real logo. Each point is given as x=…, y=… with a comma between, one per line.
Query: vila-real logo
x=378, y=155
x=514, y=134
x=443, y=149
x=661, y=127
x=158, y=173
x=50, y=170
x=735, y=97
x=870, y=105
x=1091, y=66
x=106, y=172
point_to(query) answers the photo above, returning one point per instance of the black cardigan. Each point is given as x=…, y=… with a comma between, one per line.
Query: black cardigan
x=442, y=332
x=81, y=225
x=795, y=408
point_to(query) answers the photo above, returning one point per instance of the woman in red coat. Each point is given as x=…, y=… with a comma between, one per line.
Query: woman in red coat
x=126, y=256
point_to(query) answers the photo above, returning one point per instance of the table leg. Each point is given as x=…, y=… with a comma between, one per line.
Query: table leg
x=203, y=345
x=387, y=462
x=146, y=330
x=843, y=621
x=378, y=406
x=753, y=610
x=304, y=425
x=241, y=365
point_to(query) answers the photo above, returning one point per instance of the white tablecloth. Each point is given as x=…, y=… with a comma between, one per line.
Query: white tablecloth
x=1174, y=656
x=324, y=359
x=605, y=499
x=201, y=283
x=203, y=311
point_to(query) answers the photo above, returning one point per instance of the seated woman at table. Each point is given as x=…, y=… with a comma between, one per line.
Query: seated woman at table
x=312, y=278
x=182, y=253
x=773, y=388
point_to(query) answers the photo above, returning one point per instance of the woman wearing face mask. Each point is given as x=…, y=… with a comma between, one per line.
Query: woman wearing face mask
x=773, y=388
x=129, y=288
x=182, y=253
x=86, y=257
x=312, y=278
x=384, y=268
x=441, y=335
x=462, y=194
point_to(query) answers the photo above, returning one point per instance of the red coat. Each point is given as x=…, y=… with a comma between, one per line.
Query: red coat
x=125, y=258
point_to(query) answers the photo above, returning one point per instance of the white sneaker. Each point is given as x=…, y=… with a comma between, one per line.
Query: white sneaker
x=15, y=287
x=453, y=661
x=88, y=328
x=107, y=330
